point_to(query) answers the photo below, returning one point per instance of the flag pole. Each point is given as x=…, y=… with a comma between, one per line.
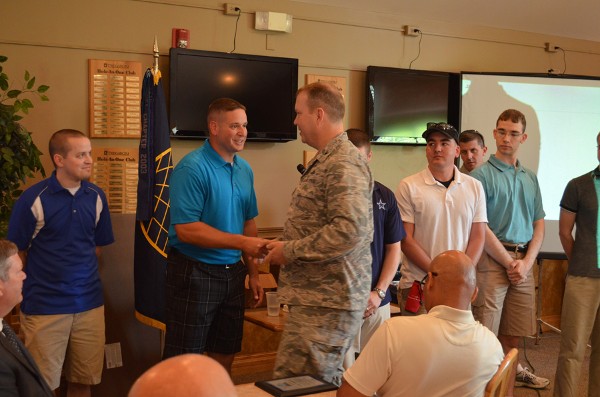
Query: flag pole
x=155, y=71
x=152, y=212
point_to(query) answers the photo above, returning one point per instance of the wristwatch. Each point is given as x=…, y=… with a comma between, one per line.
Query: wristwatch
x=380, y=292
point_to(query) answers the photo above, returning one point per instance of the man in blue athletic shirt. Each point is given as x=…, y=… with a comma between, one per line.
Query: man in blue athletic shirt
x=58, y=225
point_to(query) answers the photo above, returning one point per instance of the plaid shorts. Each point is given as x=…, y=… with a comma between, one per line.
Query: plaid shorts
x=204, y=306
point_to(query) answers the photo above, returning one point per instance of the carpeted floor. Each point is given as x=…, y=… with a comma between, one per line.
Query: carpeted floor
x=542, y=360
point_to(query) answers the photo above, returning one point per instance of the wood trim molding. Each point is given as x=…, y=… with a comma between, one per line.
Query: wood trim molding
x=247, y=364
x=270, y=232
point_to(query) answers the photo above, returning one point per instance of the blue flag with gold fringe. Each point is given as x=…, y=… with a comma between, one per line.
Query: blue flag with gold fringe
x=152, y=214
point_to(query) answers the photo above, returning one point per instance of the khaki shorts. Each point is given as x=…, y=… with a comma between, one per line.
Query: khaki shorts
x=504, y=308
x=75, y=340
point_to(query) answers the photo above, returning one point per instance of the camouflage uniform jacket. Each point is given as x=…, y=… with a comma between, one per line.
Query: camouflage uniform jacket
x=329, y=229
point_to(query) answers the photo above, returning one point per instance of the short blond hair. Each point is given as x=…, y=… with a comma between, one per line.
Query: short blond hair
x=325, y=96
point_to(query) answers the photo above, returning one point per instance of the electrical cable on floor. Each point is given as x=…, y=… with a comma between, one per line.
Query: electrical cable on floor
x=525, y=355
x=529, y=362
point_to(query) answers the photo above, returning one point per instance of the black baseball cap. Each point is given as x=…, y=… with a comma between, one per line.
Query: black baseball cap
x=442, y=128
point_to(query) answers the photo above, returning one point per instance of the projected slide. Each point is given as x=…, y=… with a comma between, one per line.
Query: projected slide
x=563, y=119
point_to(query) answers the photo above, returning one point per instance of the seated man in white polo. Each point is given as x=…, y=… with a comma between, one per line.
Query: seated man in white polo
x=442, y=353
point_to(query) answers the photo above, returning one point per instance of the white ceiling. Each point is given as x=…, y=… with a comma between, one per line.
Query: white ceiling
x=566, y=18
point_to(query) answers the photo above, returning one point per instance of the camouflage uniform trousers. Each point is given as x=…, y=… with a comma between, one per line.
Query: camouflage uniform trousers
x=315, y=341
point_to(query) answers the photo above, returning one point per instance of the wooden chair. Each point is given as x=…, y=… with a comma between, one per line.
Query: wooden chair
x=498, y=385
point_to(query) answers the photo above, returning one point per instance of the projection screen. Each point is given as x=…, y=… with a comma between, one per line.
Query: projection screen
x=563, y=120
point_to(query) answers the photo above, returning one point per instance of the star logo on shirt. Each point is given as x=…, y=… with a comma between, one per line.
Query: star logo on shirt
x=381, y=204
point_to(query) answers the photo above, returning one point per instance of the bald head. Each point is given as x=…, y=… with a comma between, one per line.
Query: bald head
x=186, y=375
x=451, y=281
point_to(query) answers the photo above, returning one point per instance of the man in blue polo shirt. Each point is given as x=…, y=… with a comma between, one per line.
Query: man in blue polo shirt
x=58, y=225
x=506, y=300
x=213, y=206
x=580, y=318
x=385, y=249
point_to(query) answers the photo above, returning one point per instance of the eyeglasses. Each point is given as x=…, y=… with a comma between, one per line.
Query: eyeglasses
x=441, y=126
x=422, y=283
x=512, y=134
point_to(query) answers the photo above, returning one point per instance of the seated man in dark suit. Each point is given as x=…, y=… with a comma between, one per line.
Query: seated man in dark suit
x=19, y=374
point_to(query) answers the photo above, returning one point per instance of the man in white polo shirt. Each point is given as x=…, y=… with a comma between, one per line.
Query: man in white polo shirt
x=442, y=353
x=441, y=208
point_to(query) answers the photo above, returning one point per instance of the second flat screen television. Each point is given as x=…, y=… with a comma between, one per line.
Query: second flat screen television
x=400, y=103
x=265, y=85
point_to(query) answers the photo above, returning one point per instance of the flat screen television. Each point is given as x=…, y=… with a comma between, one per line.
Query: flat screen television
x=265, y=85
x=400, y=103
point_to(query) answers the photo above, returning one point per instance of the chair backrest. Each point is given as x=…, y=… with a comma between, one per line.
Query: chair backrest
x=498, y=385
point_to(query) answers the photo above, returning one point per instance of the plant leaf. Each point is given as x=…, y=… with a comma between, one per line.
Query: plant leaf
x=13, y=93
x=19, y=157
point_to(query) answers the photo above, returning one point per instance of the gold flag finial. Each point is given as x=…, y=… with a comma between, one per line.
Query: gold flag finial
x=155, y=70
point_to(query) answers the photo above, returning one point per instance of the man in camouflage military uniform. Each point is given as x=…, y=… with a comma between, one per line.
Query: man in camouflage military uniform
x=325, y=249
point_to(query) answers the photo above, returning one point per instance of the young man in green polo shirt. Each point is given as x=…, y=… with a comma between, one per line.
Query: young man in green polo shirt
x=506, y=301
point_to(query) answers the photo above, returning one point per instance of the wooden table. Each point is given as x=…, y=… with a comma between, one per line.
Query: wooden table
x=262, y=334
x=540, y=261
x=250, y=390
x=260, y=317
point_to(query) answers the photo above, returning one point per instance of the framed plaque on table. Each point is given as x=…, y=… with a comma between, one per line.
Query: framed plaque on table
x=295, y=386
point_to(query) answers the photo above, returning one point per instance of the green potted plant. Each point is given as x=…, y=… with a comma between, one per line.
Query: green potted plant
x=19, y=157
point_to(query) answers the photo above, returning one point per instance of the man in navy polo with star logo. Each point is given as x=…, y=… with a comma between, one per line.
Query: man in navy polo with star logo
x=385, y=249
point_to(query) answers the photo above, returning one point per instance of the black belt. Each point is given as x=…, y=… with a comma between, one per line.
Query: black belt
x=516, y=247
x=176, y=252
